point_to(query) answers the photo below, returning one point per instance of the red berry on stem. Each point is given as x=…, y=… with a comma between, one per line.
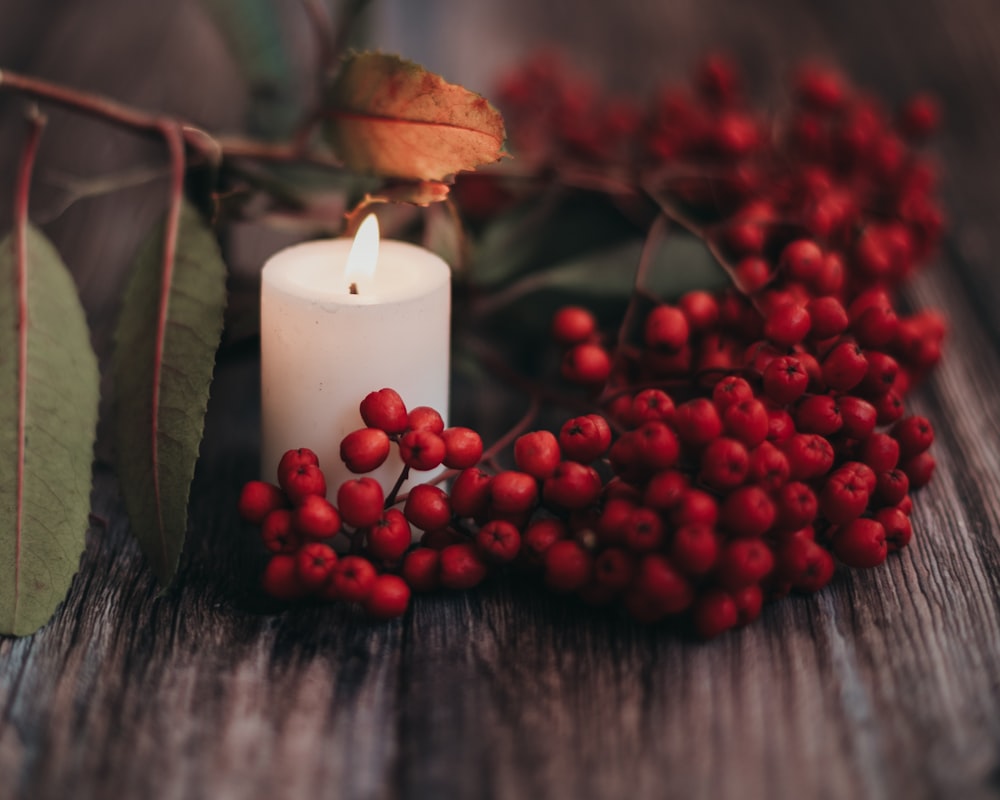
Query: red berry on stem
x=666, y=329
x=513, y=492
x=425, y=418
x=278, y=533
x=470, y=493
x=573, y=325
x=587, y=364
x=352, y=579
x=585, y=439
x=421, y=569
x=385, y=410
x=314, y=563
x=360, y=501
x=258, y=499
x=365, y=449
x=537, y=453
x=784, y=380
x=316, y=518
x=463, y=447
x=499, y=541
x=697, y=422
x=291, y=459
x=422, y=449
x=572, y=486
x=281, y=578
x=714, y=613
x=461, y=566
x=568, y=567
x=389, y=538
x=302, y=481
x=427, y=507
x=538, y=537
x=388, y=599
x=861, y=543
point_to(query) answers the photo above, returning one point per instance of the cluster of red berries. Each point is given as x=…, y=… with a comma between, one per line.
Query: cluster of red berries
x=349, y=551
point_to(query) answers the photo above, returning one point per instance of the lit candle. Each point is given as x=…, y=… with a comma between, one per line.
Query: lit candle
x=340, y=319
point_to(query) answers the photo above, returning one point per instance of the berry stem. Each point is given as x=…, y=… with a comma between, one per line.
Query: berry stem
x=403, y=475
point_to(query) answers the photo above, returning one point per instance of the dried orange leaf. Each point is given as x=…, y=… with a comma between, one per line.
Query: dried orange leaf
x=392, y=117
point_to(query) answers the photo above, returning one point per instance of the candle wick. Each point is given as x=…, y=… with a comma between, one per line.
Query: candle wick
x=354, y=288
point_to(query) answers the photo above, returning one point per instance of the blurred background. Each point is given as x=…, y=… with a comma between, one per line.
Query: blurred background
x=250, y=66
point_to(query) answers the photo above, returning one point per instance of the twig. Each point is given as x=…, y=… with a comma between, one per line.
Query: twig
x=522, y=425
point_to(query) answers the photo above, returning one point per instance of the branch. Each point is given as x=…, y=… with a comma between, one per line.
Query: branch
x=212, y=148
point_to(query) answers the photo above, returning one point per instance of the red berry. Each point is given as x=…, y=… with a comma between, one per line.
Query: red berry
x=918, y=469
x=801, y=260
x=572, y=486
x=744, y=562
x=421, y=448
x=614, y=569
x=421, y=569
x=365, y=449
x=809, y=456
x=787, y=324
x=651, y=405
x=695, y=508
x=314, y=563
x=714, y=613
x=920, y=116
x=829, y=317
x=389, y=538
x=573, y=325
x=806, y=565
x=278, y=533
x=694, y=549
x=697, y=422
x=461, y=566
x=747, y=421
x=891, y=487
x=281, y=579
x=352, y=579
x=730, y=391
x=587, y=364
x=666, y=329
x=914, y=434
x=258, y=499
x=388, y=598
x=820, y=414
x=844, y=367
x=660, y=585
x=513, y=492
x=858, y=416
x=861, y=543
x=898, y=530
x=784, y=379
x=768, y=466
x=844, y=496
x=568, y=567
x=701, y=310
x=425, y=418
x=296, y=458
x=880, y=452
x=427, y=507
x=585, y=439
x=538, y=537
x=302, y=481
x=316, y=518
x=643, y=531
x=463, y=447
x=748, y=511
x=749, y=600
x=664, y=490
x=385, y=410
x=724, y=464
x=498, y=541
x=797, y=506
x=537, y=453
x=470, y=493
x=360, y=502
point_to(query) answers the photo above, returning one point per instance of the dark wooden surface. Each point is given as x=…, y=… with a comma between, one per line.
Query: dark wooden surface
x=885, y=685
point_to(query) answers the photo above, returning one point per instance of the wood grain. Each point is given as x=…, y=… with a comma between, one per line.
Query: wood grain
x=885, y=685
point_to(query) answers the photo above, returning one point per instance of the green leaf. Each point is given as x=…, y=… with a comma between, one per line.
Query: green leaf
x=391, y=117
x=44, y=485
x=162, y=378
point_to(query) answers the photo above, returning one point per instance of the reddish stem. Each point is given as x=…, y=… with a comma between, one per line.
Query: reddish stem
x=174, y=139
x=403, y=475
x=20, y=235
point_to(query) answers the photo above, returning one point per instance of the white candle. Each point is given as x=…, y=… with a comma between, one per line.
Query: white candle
x=324, y=348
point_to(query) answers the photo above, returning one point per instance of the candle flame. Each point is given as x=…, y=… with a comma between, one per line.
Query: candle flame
x=363, y=257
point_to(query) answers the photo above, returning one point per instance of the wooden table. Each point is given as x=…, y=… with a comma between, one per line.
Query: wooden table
x=884, y=685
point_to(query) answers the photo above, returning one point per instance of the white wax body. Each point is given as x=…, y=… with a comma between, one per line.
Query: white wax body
x=324, y=349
